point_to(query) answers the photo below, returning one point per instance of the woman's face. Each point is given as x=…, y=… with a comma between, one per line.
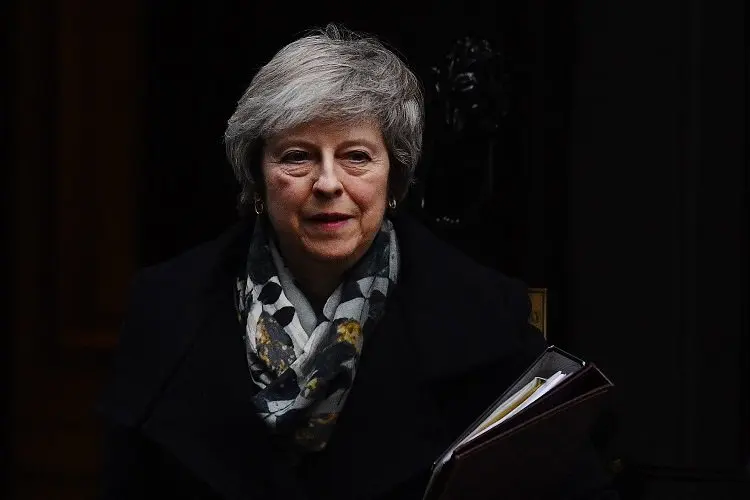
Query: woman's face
x=326, y=189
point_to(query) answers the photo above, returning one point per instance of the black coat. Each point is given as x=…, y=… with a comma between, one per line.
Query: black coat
x=181, y=424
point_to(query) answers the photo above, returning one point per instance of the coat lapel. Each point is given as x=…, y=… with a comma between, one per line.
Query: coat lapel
x=390, y=431
x=204, y=416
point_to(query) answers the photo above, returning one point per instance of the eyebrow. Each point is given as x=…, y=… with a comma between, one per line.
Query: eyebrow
x=359, y=142
x=281, y=144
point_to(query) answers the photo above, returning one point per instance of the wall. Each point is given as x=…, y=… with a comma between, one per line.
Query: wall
x=656, y=253
x=75, y=70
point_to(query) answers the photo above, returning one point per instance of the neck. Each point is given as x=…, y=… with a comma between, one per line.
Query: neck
x=317, y=280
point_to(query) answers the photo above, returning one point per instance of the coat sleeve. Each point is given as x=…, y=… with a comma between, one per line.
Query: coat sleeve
x=129, y=466
x=133, y=465
x=129, y=460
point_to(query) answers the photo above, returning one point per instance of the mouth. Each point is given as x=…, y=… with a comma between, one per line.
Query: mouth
x=329, y=217
x=329, y=220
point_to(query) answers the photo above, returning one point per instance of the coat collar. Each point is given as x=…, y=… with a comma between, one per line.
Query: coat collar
x=435, y=278
x=391, y=424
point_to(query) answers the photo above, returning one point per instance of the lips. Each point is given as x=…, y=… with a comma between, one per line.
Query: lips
x=328, y=222
x=329, y=217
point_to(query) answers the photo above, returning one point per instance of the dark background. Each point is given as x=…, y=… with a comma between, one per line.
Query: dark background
x=624, y=192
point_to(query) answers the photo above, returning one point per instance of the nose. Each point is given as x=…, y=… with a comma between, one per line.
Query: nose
x=328, y=184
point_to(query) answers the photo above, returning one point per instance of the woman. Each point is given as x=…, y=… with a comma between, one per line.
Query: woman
x=331, y=347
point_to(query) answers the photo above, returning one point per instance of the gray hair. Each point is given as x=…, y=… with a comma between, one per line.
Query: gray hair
x=330, y=74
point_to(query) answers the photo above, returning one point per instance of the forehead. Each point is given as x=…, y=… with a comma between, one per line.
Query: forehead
x=327, y=131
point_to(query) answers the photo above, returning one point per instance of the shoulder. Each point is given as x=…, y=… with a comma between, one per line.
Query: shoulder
x=468, y=315
x=428, y=260
x=192, y=268
x=164, y=306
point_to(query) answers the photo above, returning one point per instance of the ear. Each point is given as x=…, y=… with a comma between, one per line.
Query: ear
x=397, y=182
x=255, y=169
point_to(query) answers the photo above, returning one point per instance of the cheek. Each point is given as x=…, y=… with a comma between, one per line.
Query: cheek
x=277, y=184
x=371, y=196
x=283, y=196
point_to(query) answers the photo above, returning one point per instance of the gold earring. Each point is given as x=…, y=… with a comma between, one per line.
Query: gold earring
x=258, y=204
x=392, y=203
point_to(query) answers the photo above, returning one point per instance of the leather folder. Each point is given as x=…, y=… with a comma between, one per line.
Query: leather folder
x=528, y=454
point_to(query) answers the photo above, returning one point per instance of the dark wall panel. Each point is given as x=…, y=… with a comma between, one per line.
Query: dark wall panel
x=657, y=243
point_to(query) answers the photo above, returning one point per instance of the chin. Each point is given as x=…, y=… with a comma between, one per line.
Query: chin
x=333, y=253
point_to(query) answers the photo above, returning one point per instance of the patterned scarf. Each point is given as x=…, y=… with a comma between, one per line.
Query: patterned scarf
x=304, y=363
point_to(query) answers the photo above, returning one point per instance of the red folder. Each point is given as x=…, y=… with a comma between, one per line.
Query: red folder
x=528, y=454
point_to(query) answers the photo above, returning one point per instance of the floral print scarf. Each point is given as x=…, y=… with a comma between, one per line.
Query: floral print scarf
x=304, y=362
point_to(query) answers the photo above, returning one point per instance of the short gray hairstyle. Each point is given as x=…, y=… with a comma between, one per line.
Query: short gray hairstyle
x=329, y=74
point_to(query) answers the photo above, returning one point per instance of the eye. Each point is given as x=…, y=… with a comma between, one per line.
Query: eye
x=357, y=157
x=295, y=156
